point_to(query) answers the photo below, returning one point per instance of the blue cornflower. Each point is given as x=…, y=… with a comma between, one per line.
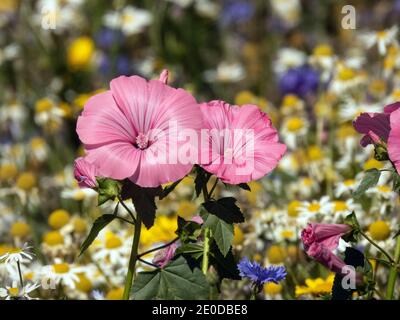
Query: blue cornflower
x=300, y=81
x=260, y=275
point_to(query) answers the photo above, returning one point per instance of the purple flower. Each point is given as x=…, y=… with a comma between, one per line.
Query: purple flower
x=260, y=275
x=106, y=38
x=236, y=11
x=300, y=81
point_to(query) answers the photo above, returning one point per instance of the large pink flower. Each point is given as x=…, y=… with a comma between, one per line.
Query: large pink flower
x=133, y=130
x=382, y=127
x=243, y=143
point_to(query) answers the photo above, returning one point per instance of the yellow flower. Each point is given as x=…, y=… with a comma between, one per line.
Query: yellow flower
x=26, y=181
x=186, y=209
x=80, y=53
x=316, y=286
x=244, y=97
x=293, y=207
x=58, y=218
x=43, y=105
x=8, y=171
x=53, y=238
x=115, y=294
x=346, y=74
x=272, y=288
x=163, y=231
x=20, y=229
x=373, y=164
x=295, y=124
x=80, y=225
x=238, y=235
x=314, y=153
x=379, y=230
x=323, y=50
x=276, y=254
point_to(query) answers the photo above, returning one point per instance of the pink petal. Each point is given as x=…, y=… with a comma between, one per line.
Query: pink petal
x=117, y=160
x=102, y=122
x=394, y=139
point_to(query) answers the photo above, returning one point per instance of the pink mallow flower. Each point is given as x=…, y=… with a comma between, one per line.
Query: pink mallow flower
x=382, y=128
x=165, y=255
x=324, y=233
x=85, y=173
x=320, y=239
x=132, y=130
x=243, y=144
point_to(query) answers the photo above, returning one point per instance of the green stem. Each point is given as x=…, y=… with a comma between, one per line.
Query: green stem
x=393, y=272
x=377, y=246
x=207, y=233
x=206, y=250
x=133, y=258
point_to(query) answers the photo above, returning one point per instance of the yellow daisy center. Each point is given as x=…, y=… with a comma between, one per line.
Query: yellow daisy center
x=379, y=230
x=61, y=268
x=295, y=124
x=53, y=238
x=314, y=207
x=58, y=218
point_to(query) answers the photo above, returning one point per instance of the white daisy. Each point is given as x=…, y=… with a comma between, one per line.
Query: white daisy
x=226, y=72
x=382, y=39
x=130, y=20
x=62, y=272
x=288, y=58
x=16, y=293
x=112, y=247
x=21, y=255
x=345, y=187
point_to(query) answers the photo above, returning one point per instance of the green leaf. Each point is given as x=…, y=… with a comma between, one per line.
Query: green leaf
x=201, y=179
x=397, y=234
x=396, y=182
x=225, y=266
x=175, y=281
x=108, y=189
x=98, y=225
x=225, y=209
x=222, y=232
x=353, y=235
x=187, y=230
x=166, y=191
x=193, y=249
x=143, y=199
x=370, y=180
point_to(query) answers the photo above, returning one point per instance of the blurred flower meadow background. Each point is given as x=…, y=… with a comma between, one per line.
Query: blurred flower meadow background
x=292, y=58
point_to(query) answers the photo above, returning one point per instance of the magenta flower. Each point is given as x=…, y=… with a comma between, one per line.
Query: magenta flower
x=243, y=143
x=319, y=239
x=325, y=234
x=132, y=130
x=326, y=257
x=85, y=173
x=165, y=255
x=382, y=128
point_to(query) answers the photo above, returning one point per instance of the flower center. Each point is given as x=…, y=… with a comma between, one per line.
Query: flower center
x=13, y=292
x=142, y=141
x=314, y=207
x=60, y=268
